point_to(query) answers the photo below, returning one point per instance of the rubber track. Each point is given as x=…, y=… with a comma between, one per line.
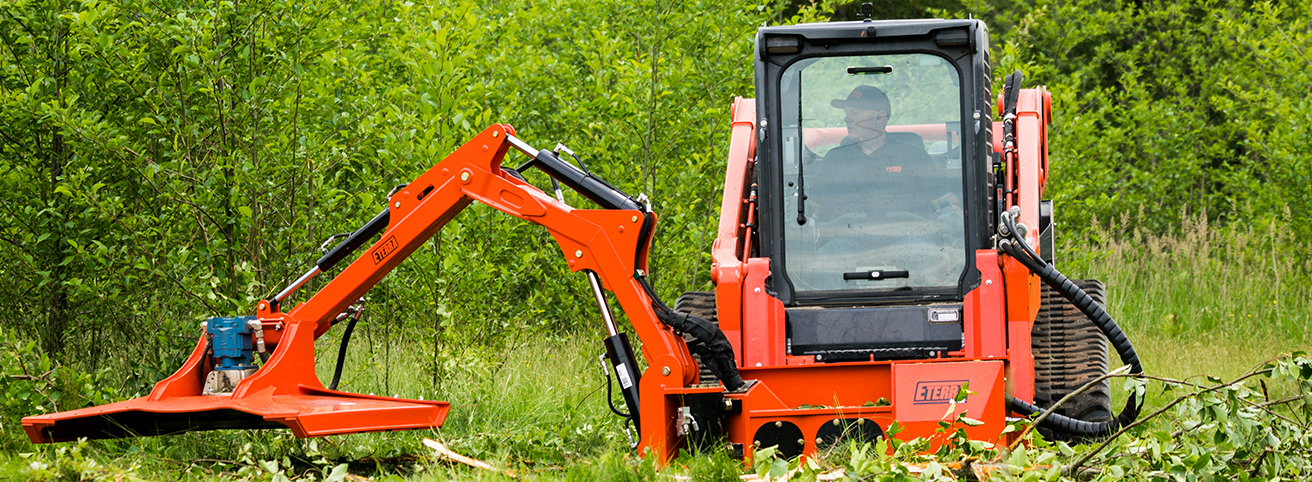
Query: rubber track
x=700, y=304
x=1070, y=351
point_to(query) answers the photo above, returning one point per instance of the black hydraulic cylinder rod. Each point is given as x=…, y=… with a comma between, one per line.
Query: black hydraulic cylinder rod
x=355, y=240
x=591, y=187
x=621, y=357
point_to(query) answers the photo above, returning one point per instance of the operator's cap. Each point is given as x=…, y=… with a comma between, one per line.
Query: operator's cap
x=867, y=97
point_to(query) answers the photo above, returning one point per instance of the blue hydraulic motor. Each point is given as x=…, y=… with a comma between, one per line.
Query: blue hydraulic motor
x=232, y=347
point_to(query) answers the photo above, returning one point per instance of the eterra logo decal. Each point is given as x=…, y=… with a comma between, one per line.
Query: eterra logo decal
x=385, y=248
x=936, y=392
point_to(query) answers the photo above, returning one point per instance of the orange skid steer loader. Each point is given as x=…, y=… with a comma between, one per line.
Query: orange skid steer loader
x=883, y=250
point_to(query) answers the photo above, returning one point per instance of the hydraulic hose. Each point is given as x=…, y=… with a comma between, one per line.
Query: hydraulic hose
x=1019, y=249
x=709, y=342
x=610, y=392
x=341, y=350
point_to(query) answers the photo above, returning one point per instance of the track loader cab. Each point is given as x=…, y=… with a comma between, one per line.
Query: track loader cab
x=873, y=173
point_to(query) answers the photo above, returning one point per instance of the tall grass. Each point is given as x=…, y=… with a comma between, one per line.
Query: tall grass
x=534, y=401
x=1206, y=300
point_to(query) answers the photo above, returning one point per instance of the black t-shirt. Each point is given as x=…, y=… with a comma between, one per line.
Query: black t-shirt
x=897, y=177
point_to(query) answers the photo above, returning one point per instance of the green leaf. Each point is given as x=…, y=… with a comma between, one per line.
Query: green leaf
x=270, y=466
x=338, y=474
x=962, y=392
x=778, y=469
x=1065, y=450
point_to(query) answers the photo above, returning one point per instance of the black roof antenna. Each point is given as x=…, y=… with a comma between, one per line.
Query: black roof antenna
x=867, y=9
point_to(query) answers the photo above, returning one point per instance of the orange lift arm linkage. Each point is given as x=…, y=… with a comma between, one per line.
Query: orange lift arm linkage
x=609, y=245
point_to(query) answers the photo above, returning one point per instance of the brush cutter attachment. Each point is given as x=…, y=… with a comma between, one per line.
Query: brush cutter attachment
x=284, y=393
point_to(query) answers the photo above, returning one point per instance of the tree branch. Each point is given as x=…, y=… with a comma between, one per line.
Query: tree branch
x=1075, y=467
x=1053, y=408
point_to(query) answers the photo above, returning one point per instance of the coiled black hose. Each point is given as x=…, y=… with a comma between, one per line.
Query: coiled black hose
x=1081, y=300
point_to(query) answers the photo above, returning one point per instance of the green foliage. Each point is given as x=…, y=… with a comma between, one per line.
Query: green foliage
x=1217, y=431
x=1196, y=417
x=1235, y=430
x=161, y=162
x=1167, y=106
x=613, y=466
x=167, y=162
x=76, y=462
x=1237, y=281
x=32, y=384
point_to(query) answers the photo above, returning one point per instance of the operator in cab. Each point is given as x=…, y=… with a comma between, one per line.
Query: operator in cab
x=872, y=169
x=867, y=145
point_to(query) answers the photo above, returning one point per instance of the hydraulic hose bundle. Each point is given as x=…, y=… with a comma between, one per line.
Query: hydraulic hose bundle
x=1017, y=248
x=709, y=342
x=1014, y=245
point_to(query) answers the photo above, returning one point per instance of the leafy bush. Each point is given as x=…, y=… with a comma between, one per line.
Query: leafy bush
x=1195, y=105
x=167, y=162
x=31, y=384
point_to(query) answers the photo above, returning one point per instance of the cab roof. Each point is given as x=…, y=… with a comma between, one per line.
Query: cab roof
x=862, y=28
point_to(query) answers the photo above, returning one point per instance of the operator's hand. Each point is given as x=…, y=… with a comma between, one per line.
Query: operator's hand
x=947, y=201
x=815, y=210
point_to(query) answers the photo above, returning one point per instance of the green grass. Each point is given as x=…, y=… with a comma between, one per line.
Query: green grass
x=1240, y=283
x=1205, y=302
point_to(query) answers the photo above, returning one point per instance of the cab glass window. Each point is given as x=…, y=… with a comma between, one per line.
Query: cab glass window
x=872, y=176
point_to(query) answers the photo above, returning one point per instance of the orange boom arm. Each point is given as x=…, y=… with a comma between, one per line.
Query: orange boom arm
x=609, y=245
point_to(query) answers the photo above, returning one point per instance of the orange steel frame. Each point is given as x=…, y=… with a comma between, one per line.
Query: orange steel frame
x=285, y=392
